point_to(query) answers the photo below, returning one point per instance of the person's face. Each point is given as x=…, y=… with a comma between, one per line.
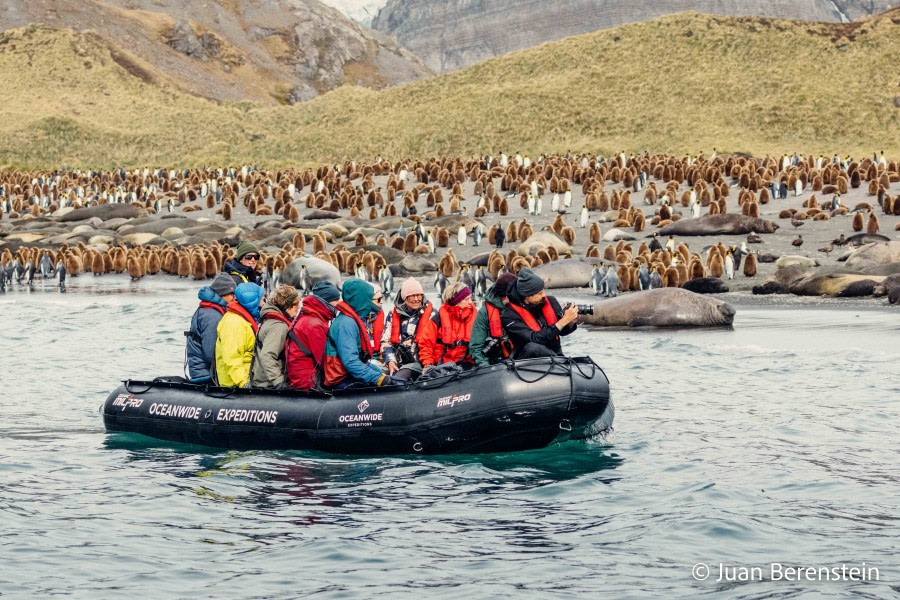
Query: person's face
x=466, y=303
x=293, y=310
x=250, y=260
x=378, y=298
x=535, y=299
x=414, y=301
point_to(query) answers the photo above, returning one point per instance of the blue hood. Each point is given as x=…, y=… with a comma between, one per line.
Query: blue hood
x=207, y=295
x=248, y=295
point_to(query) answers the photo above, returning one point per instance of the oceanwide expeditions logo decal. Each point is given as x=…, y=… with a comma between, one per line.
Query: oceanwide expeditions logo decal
x=362, y=419
x=453, y=400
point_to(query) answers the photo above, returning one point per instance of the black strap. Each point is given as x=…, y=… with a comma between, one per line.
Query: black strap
x=293, y=337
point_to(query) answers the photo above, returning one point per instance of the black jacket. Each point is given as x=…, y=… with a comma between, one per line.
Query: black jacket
x=240, y=273
x=520, y=333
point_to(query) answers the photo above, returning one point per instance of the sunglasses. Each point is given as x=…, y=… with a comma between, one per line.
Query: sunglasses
x=378, y=299
x=251, y=257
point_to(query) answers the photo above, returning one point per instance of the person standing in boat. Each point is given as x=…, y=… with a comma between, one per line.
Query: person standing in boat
x=242, y=267
x=402, y=335
x=489, y=343
x=535, y=321
x=348, y=353
x=304, y=350
x=201, y=339
x=275, y=320
x=445, y=339
x=236, y=336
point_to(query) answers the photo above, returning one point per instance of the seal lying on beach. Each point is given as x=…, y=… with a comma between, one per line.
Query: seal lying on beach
x=318, y=269
x=662, y=307
x=727, y=224
x=569, y=272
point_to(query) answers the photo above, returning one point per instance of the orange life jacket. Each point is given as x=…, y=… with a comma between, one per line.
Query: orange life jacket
x=496, y=330
x=218, y=307
x=235, y=307
x=546, y=310
x=395, y=325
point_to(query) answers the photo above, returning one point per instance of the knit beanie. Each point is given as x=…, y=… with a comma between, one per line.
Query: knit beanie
x=223, y=284
x=327, y=291
x=411, y=287
x=504, y=284
x=243, y=248
x=528, y=284
x=248, y=295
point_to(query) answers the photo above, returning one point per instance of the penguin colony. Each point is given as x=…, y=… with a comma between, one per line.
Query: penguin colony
x=341, y=213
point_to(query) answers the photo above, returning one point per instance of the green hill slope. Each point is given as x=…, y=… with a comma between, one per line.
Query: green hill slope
x=679, y=84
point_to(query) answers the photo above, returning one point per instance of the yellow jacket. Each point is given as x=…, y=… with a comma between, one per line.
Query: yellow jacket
x=235, y=340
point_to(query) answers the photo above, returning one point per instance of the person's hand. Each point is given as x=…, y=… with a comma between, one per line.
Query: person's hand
x=392, y=367
x=569, y=315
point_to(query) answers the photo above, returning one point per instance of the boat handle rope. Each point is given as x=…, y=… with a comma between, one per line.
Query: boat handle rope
x=566, y=363
x=128, y=383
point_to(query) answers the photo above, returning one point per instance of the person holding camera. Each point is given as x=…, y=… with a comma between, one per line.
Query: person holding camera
x=489, y=343
x=535, y=321
x=402, y=333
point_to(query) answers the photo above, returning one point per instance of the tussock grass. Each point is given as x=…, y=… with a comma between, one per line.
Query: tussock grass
x=678, y=84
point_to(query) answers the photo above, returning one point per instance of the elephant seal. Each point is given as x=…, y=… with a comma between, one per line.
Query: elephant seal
x=389, y=223
x=661, y=307
x=829, y=284
x=886, y=285
x=894, y=295
x=158, y=226
x=705, y=285
x=104, y=211
x=319, y=270
x=569, y=272
x=795, y=259
x=540, y=240
x=857, y=289
x=452, y=222
x=479, y=260
x=888, y=269
x=770, y=287
x=873, y=255
x=416, y=263
x=320, y=215
x=336, y=230
x=721, y=224
x=861, y=239
x=390, y=255
x=614, y=235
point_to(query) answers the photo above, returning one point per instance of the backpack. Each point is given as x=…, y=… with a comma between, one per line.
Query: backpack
x=319, y=377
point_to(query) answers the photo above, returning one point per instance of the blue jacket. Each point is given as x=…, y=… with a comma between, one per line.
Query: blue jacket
x=343, y=342
x=201, y=339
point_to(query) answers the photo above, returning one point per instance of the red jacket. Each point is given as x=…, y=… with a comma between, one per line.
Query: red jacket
x=448, y=340
x=311, y=328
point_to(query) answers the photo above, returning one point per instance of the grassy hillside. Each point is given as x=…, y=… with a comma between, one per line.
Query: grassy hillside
x=679, y=84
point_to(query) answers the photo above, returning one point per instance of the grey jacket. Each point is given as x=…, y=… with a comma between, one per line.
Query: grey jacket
x=268, y=357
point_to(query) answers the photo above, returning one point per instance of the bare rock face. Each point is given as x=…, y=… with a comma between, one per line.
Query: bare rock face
x=452, y=34
x=234, y=50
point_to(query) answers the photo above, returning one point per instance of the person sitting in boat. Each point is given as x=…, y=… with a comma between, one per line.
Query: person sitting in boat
x=237, y=336
x=242, y=267
x=275, y=319
x=489, y=343
x=445, y=339
x=402, y=335
x=201, y=339
x=304, y=350
x=535, y=321
x=348, y=352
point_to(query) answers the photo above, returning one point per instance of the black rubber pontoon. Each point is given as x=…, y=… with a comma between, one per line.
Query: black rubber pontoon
x=506, y=407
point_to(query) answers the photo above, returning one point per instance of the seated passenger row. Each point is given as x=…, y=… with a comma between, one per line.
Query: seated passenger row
x=334, y=338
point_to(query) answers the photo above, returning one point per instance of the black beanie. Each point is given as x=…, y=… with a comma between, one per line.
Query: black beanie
x=528, y=284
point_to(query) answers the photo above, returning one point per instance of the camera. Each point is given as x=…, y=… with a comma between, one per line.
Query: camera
x=583, y=309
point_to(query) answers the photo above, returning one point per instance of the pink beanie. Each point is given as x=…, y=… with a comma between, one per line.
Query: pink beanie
x=411, y=287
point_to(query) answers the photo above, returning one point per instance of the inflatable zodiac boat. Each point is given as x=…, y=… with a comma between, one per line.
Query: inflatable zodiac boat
x=510, y=406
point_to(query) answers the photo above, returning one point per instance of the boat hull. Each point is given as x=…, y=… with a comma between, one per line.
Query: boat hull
x=506, y=407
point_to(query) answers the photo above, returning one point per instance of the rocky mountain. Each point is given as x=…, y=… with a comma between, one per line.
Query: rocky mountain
x=283, y=51
x=451, y=34
x=361, y=11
